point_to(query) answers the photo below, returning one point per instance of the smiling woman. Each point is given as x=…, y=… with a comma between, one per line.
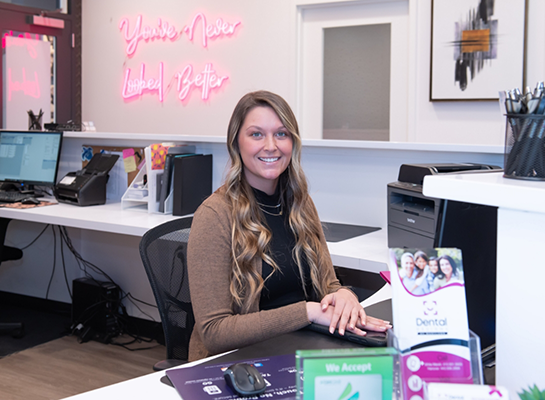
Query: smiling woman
x=258, y=263
x=265, y=148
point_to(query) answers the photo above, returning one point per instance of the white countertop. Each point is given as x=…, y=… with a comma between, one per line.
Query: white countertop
x=488, y=188
x=366, y=252
x=350, y=144
x=105, y=218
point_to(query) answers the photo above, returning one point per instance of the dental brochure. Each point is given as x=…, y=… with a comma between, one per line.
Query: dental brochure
x=430, y=317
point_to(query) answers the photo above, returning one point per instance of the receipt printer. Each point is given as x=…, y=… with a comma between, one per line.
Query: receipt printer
x=87, y=187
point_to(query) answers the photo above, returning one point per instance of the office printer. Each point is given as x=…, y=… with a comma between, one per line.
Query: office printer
x=417, y=221
x=87, y=187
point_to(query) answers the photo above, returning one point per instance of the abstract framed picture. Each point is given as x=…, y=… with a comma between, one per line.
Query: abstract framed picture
x=477, y=48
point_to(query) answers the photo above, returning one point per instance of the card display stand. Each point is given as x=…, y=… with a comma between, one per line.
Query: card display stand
x=192, y=184
x=140, y=197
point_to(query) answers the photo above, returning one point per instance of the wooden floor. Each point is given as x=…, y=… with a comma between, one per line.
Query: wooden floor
x=64, y=367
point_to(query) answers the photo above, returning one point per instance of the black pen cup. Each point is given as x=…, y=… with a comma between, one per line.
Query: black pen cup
x=524, y=156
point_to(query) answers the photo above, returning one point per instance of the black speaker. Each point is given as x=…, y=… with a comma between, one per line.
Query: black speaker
x=95, y=307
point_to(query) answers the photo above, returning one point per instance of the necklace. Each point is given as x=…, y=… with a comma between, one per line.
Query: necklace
x=265, y=205
x=277, y=208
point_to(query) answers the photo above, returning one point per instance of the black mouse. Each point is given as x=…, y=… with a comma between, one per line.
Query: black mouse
x=30, y=200
x=244, y=379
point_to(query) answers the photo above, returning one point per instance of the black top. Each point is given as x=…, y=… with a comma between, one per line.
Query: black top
x=284, y=286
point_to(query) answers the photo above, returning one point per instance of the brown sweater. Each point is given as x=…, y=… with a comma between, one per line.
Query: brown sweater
x=219, y=325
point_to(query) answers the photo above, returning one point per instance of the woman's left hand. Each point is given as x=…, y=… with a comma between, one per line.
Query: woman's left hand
x=348, y=312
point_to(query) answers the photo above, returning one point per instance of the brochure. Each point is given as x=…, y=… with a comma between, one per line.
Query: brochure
x=430, y=317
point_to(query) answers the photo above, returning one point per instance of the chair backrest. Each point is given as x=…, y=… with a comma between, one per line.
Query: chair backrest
x=164, y=254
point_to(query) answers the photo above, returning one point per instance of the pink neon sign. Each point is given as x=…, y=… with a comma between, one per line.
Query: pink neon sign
x=29, y=88
x=135, y=87
x=221, y=28
x=29, y=44
x=206, y=81
x=164, y=31
x=146, y=33
x=187, y=81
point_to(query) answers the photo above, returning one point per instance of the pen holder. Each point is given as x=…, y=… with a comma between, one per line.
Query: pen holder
x=524, y=156
x=35, y=121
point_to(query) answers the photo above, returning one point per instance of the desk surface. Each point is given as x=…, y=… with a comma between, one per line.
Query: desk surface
x=150, y=387
x=105, y=218
x=488, y=188
x=366, y=252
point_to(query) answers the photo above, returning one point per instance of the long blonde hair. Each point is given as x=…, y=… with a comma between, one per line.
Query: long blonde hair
x=250, y=235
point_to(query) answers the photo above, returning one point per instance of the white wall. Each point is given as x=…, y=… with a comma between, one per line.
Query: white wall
x=263, y=54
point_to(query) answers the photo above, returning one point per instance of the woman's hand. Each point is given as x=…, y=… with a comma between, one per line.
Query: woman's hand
x=348, y=312
x=342, y=309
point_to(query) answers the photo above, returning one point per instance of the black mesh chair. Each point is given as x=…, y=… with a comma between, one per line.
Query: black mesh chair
x=163, y=252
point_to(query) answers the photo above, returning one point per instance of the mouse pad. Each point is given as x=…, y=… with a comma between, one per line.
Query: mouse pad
x=21, y=206
x=207, y=382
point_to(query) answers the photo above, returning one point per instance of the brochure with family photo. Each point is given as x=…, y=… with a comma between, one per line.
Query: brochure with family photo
x=430, y=316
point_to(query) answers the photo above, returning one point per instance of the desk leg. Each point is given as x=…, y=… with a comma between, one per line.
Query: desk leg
x=7, y=252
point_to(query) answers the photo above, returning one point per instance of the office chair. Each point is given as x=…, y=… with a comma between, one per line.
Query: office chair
x=163, y=251
x=16, y=329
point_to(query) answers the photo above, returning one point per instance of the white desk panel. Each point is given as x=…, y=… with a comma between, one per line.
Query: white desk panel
x=520, y=272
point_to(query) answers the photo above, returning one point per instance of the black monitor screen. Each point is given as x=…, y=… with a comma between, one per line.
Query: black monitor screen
x=30, y=157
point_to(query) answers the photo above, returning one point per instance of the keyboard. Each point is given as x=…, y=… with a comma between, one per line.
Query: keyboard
x=12, y=197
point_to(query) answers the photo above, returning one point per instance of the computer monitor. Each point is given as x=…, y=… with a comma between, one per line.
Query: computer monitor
x=29, y=158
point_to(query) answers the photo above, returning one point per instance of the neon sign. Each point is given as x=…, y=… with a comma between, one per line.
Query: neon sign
x=29, y=44
x=206, y=81
x=146, y=33
x=135, y=87
x=210, y=31
x=29, y=88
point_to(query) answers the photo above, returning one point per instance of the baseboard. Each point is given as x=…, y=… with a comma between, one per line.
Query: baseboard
x=135, y=326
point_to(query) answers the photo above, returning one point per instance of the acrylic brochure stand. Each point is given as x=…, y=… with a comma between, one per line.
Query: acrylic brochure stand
x=141, y=197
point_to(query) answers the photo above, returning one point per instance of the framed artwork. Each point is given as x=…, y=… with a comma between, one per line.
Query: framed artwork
x=477, y=48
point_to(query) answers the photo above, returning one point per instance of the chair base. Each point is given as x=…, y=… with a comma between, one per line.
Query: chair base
x=15, y=329
x=168, y=363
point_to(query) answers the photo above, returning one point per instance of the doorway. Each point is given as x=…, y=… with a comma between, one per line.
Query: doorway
x=38, y=66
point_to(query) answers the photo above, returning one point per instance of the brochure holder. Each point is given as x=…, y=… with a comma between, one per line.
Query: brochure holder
x=317, y=370
x=137, y=196
x=476, y=378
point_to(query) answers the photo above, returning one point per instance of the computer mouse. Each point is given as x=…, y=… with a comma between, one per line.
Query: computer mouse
x=30, y=200
x=244, y=379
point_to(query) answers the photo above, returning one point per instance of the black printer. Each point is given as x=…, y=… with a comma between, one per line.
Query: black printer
x=87, y=187
x=417, y=221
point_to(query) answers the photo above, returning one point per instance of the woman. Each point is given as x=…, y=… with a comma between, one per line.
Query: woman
x=448, y=272
x=257, y=258
x=433, y=264
x=421, y=264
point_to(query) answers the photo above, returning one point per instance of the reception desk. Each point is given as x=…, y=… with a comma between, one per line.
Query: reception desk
x=520, y=268
x=347, y=180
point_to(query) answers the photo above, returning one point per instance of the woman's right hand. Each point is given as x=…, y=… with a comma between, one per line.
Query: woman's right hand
x=318, y=316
